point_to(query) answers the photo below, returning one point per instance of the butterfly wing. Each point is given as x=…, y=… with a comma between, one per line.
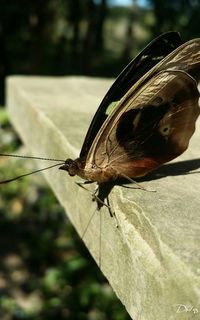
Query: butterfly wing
x=151, y=127
x=149, y=57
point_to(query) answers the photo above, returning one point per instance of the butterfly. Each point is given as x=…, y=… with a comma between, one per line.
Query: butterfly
x=148, y=115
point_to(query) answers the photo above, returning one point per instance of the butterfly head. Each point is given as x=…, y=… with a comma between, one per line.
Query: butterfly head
x=73, y=167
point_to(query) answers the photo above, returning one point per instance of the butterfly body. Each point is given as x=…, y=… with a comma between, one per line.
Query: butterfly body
x=151, y=122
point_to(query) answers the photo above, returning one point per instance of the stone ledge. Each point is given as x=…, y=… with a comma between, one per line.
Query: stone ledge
x=152, y=260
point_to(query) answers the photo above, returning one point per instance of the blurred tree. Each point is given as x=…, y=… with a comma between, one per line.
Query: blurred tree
x=91, y=37
x=12, y=19
x=99, y=43
x=75, y=15
x=129, y=36
x=93, y=43
x=182, y=16
x=42, y=21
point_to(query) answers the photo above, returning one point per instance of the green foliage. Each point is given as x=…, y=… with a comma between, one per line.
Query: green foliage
x=45, y=270
x=8, y=139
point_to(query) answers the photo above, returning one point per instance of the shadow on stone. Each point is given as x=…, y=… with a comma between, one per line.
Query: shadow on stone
x=171, y=169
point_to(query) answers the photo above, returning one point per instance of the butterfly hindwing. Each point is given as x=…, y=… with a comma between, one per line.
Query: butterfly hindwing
x=152, y=127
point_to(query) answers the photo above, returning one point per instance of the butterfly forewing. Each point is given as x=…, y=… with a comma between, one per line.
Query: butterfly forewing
x=186, y=58
x=149, y=57
x=151, y=123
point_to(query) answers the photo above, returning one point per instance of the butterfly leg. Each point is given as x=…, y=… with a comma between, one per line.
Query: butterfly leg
x=80, y=183
x=96, y=198
x=112, y=213
x=136, y=183
x=100, y=232
x=100, y=203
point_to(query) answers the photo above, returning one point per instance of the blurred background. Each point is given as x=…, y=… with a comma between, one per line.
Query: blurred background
x=45, y=270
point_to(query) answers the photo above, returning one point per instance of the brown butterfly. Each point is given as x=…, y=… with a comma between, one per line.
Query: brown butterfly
x=154, y=106
x=146, y=118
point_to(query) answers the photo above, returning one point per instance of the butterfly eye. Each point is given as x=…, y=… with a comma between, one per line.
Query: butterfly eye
x=165, y=130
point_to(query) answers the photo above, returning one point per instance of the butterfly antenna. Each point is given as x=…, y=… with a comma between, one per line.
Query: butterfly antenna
x=28, y=174
x=100, y=237
x=88, y=223
x=30, y=157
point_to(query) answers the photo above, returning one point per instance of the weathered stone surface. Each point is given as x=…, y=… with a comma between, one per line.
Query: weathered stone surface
x=152, y=260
